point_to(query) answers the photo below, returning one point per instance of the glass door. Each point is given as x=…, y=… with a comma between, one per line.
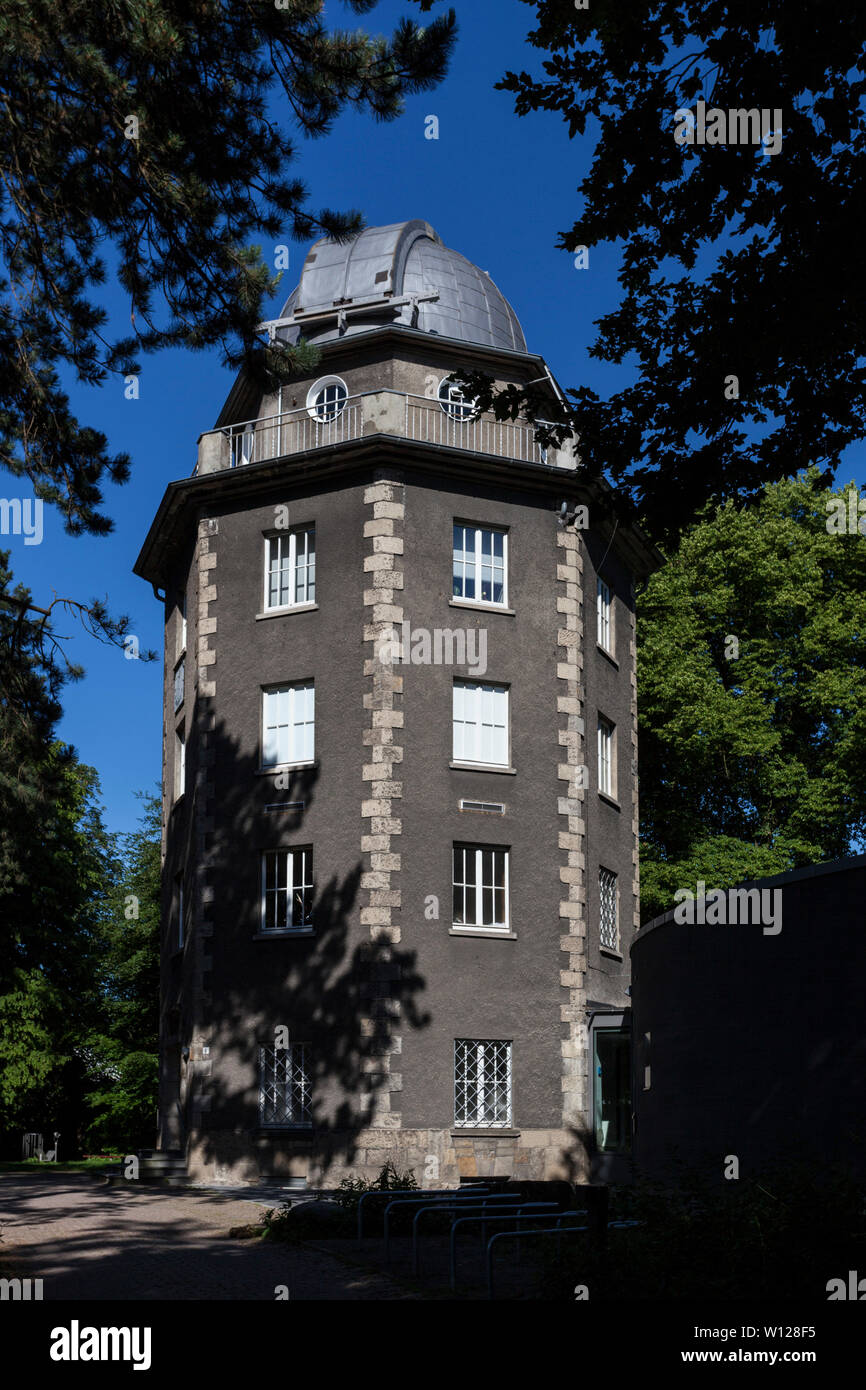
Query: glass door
x=611, y=1059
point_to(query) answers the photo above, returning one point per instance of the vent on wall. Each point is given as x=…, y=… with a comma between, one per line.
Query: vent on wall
x=492, y=808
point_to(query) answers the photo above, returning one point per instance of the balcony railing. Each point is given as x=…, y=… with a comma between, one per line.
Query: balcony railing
x=375, y=412
x=293, y=432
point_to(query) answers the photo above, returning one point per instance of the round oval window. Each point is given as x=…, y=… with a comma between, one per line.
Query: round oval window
x=326, y=399
x=453, y=401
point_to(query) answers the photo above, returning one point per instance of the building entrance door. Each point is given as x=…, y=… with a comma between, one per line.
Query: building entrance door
x=611, y=1098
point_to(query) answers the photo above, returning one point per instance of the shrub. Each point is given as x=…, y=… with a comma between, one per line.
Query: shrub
x=389, y=1180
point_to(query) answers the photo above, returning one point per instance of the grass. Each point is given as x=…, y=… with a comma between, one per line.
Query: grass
x=97, y=1164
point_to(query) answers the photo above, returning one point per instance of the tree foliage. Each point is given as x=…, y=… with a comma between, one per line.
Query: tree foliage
x=734, y=262
x=752, y=750
x=122, y=1052
x=58, y=866
x=147, y=128
x=49, y=907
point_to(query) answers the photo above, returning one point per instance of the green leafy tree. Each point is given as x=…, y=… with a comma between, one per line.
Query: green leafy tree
x=735, y=262
x=752, y=695
x=153, y=129
x=34, y=668
x=122, y=1053
x=56, y=860
x=49, y=906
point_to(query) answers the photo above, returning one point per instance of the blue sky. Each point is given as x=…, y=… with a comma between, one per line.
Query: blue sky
x=497, y=188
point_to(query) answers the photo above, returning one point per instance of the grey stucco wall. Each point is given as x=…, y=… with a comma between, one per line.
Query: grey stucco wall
x=610, y=832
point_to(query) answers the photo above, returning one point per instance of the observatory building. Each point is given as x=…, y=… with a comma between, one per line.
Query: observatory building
x=399, y=756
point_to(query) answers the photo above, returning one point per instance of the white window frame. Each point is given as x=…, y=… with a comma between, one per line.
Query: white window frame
x=290, y=687
x=182, y=624
x=483, y=1066
x=289, y=539
x=478, y=563
x=478, y=690
x=179, y=763
x=293, y=854
x=604, y=615
x=479, y=886
x=604, y=887
x=296, y=1055
x=606, y=750
x=325, y=413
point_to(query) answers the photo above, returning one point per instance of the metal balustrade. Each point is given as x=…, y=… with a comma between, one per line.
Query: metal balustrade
x=418, y=418
x=428, y=423
x=293, y=432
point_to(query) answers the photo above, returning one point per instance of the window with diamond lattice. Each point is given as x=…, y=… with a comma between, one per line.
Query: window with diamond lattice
x=608, y=912
x=482, y=1084
x=284, y=1085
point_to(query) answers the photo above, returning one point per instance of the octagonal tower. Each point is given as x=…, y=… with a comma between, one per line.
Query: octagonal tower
x=400, y=812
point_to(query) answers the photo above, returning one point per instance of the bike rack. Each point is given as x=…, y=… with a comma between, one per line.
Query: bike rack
x=407, y=1192
x=519, y=1235
x=558, y=1216
x=486, y=1216
x=455, y=1201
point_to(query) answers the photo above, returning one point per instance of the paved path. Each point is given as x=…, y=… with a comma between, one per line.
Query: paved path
x=88, y=1240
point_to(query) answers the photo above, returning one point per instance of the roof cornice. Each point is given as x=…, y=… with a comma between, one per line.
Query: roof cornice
x=185, y=499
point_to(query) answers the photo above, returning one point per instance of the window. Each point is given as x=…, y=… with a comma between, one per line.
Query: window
x=243, y=442
x=178, y=886
x=287, y=889
x=479, y=564
x=178, y=684
x=482, y=1084
x=453, y=401
x=288, y=724
x=181, y=635
x=179, y=763
x=608, y=910
x=326, y=399
x=480, y=717
x=290, y=568
x=284, y=1085
x=480, y=887
x=603, y=611
x=606, y=771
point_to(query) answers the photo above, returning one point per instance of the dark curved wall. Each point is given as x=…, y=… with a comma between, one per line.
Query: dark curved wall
x=755, y=1044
